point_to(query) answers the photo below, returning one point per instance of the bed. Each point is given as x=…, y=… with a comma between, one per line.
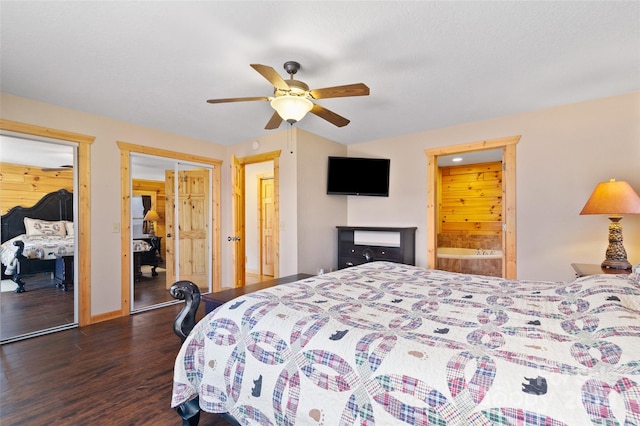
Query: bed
x=34, y=237
x=386, y=343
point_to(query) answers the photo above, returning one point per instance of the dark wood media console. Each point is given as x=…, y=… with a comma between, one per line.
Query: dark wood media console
x=361, y=244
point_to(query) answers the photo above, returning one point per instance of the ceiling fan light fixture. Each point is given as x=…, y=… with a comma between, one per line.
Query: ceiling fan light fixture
x=291, y=108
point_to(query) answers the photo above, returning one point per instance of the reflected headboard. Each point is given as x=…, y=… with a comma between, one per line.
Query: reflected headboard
x=56, y=205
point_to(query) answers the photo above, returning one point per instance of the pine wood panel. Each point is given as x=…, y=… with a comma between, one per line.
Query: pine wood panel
x=24, y=186
x=494, y=166
x=477, y=228
x=470, y=199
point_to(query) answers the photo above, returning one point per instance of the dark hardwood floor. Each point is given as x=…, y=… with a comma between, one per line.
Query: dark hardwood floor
x=44, y=305
x=118, y=372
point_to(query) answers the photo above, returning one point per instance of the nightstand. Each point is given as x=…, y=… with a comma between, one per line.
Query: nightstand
x=586, y=269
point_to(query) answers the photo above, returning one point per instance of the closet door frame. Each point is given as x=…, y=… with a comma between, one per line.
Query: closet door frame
x=83, y=176
x=125, y=178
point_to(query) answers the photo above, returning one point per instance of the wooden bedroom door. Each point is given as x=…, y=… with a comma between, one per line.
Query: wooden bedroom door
x=238, y=208
x=187, y=216
x=266, y=226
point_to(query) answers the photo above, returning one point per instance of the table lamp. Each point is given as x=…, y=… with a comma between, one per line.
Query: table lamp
x=152, y=216
x=613, y=198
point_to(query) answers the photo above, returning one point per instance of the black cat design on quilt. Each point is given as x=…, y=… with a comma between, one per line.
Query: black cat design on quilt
x=537, y=386
x=257, y=387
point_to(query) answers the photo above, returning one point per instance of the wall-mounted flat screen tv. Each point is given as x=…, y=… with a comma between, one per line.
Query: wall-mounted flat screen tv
x=358, y=176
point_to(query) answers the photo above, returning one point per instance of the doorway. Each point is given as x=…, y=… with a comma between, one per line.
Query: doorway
x=259, y=222
x=508, y=209
x=242, y=232
x=184, y=194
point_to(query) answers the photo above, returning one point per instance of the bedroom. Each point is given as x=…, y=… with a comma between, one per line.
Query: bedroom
x=581, y=143
x=582, y=129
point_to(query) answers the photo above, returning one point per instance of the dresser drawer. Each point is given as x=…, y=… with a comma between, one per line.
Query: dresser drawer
x=358, y=245
x=378, y=253
x=345, y=262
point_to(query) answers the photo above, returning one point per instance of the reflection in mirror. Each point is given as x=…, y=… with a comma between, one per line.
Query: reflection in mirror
x=38, y=182
x=148, y=243
x=156, y=226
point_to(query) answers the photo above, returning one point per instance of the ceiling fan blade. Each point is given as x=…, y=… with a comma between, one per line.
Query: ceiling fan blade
x=220, y=101
x=330, y=116
x=271, y=75
x=357, y=89
x=274, y=122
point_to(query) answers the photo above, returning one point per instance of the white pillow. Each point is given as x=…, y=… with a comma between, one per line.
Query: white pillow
x=36, y=227
x=69, y=228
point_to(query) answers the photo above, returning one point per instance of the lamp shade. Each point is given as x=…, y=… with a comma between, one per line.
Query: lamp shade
x=152, y=215
x=291, y=108
x=612, y=198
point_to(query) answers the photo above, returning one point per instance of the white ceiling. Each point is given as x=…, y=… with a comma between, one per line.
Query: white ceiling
x=429, y=64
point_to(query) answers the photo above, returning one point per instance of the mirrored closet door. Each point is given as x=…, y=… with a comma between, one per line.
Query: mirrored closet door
x=170, y=217
x=38, y=291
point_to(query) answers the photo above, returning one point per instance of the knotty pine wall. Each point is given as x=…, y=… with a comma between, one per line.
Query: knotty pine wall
x=471, y=206
x=24, y=186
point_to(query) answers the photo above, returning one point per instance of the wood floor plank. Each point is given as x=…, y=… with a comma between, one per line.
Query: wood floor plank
x=114, y=373
x=118, y=372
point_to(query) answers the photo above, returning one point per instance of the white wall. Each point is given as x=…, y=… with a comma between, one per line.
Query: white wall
x=318, y=213
x=105, y=179
x=563, y=153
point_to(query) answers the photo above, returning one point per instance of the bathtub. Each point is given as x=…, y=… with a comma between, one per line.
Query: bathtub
x=470, y=261
x=467, y=253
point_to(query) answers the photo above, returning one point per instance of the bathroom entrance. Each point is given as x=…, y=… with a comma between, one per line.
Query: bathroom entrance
x=469, y=236
x=471, y=223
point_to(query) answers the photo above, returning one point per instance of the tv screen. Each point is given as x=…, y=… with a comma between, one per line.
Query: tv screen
x=358, y=176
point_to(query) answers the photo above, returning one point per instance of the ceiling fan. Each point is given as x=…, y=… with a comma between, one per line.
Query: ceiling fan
x=292, y=98
x=57, y=169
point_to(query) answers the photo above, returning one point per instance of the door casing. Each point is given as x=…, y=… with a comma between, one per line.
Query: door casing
x=125, y=235
x=508, y=146
x=238, y=174
x=84, y=206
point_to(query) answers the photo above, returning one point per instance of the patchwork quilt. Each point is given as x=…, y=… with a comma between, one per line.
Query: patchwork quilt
x=384, y=344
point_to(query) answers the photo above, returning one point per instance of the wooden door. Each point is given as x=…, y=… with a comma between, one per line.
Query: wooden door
x=187, y=227
x=238, y=226
x=266, y=226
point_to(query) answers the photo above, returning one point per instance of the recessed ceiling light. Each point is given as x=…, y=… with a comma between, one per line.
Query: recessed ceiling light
x=456, y=159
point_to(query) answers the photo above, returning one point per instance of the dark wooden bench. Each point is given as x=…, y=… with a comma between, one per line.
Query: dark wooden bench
x=213, y=300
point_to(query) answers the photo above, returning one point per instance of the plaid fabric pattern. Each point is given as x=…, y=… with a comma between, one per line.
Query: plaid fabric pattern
x=385, y=343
